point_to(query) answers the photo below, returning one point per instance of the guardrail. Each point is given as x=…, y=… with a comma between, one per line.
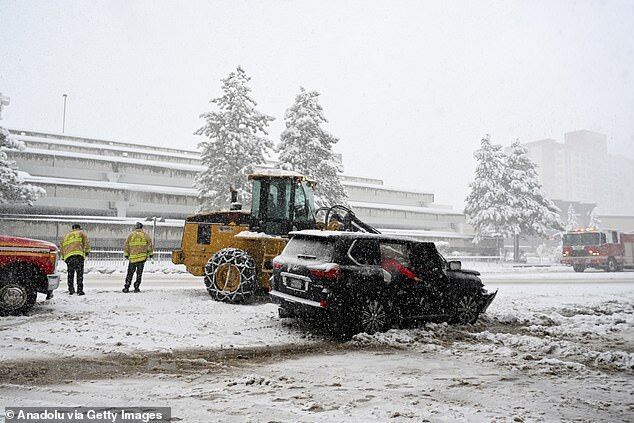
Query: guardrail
x=475, y=258
x=105, y=257
x=109, y=261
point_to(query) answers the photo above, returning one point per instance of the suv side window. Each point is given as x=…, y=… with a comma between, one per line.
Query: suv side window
x=365, y=252
x=425, y=259
x=395, y=251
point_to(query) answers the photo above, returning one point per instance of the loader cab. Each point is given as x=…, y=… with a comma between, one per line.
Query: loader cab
x=282, y=201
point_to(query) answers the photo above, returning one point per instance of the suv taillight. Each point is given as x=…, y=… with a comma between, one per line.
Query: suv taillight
x=277, y=264
x=330, y=271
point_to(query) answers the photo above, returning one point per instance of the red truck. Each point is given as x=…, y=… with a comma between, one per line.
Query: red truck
x=601, y=249
x=27, y=266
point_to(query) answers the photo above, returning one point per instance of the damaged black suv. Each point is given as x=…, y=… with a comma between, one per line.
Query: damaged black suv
x=362, y=282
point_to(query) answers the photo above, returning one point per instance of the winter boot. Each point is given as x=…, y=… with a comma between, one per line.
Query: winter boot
x=80, y=293
x=125, y=289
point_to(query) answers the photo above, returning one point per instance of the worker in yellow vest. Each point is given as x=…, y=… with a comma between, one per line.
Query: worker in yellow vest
x=75, y=247
x=137, y=249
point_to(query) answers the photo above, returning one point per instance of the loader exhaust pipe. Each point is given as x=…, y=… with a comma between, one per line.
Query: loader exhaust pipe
x=235, y=205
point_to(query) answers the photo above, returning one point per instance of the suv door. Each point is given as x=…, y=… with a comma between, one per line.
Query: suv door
x=367, y=305
x=436, y=296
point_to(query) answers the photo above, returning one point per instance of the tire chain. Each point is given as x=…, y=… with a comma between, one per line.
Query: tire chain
x=244, y=263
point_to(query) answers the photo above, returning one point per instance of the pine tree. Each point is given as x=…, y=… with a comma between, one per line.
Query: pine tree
x=236, y=143
x=572, y=219
x=595, y=222
x=306, y=148
x=534, y=213
x=13, y=189
x=487, y=205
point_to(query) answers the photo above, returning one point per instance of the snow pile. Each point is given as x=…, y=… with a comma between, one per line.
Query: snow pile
x=536, y=333
x=426, y=337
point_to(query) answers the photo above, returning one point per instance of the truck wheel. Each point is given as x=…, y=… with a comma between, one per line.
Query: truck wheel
x=612, y=267
x=230, y=276
x=467, y=309
x=579, y=267
x=16, y=299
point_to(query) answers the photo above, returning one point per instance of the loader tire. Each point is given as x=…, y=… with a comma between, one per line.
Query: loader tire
x=231, y=276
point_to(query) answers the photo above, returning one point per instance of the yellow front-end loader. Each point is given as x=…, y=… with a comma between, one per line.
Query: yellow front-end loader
x=234, y=249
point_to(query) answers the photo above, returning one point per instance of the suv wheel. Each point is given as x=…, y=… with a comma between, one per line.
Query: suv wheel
x=373, y=315
x=230, y=275
x=467, y=309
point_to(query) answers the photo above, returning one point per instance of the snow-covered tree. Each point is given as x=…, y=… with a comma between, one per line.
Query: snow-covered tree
x=572, y=219
x=487, y=206
x=306, y=148
x=13, y=189
x=534, y=214
x=595, y=222
x=236, y=142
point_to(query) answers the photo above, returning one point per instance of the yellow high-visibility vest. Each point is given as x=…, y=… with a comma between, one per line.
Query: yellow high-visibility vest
x=75, y=243
x=138, y=246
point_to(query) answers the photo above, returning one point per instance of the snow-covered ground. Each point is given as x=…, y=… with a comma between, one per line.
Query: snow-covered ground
x=544, y=352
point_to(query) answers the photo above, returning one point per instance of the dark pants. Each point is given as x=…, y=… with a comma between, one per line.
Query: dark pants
x=75, y=266
x=134, y=267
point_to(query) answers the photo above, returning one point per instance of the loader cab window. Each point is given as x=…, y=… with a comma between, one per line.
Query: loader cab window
x=279, y=200
x=255, y=198
x=204, y=234
x=271, y=206
x=303, y=214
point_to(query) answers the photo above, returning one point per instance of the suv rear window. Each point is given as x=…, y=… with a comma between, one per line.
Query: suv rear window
x=311, y=248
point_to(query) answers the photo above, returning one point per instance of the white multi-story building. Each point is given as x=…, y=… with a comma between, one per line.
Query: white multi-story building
x=108, y=184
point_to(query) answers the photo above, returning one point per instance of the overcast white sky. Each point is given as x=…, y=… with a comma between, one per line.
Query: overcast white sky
x=409, y=87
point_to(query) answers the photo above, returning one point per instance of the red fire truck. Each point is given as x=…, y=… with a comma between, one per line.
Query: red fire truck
x=601, y=249
x=27, y=266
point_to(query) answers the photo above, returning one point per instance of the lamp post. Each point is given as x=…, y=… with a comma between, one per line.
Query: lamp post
x=64, y=115
x=154, y=219
x=4, y=101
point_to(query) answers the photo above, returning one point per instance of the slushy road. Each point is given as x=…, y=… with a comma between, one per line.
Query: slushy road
x=185, y=280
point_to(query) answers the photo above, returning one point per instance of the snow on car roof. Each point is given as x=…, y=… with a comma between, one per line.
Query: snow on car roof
x=347, y=234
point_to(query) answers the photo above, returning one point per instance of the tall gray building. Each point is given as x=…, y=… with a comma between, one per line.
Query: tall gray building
x=581, y=170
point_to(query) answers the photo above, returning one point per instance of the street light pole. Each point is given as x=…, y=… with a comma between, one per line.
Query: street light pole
x=64, y=116
x=154, y=219
x=4, y=101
